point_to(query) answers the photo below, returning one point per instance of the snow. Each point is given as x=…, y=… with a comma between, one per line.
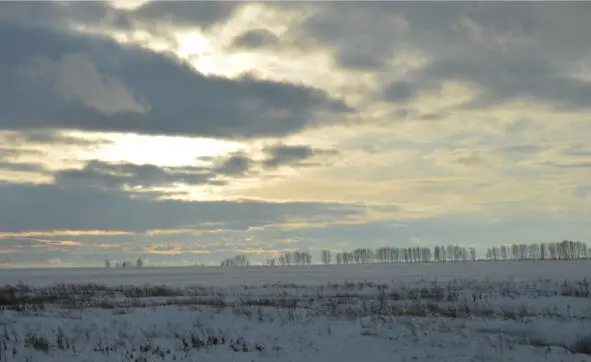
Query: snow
x=504, y=311
x=308, y=275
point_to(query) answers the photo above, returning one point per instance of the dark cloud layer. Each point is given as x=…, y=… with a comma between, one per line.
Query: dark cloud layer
x=91, y=83
x=151, y=15
x=185, y=14
x=51, y=207
x=507, y=51
x=117, y=175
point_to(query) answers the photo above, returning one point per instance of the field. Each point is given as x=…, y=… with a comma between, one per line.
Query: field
x=484, y=311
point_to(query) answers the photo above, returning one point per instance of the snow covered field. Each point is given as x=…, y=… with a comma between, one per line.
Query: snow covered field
x=308, y=275
x=504, y=311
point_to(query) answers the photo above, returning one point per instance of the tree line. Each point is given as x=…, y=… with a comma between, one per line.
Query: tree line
x=564, y=250
x=450, y=253
x=124, y=264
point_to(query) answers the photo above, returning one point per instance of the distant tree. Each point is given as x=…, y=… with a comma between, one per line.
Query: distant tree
x=107, y=263
x=288, y=258
x=504, y=253
x=139, y=262
x=437, y=254
x=326, y=257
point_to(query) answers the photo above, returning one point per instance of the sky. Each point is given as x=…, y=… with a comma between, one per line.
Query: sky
x=187, y=132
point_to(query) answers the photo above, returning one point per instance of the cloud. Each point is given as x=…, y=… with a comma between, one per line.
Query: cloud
x=400, y=91
x=107, y=175
x=118, y=175
x=33, y=208
x=75, y=77
x=281, y=154
x=22, y=167
x=360, y=36
x=18, y=139
x=184, y=14
x=255, y=38
x=131, y=89
x=505, y=51
x=150, y=15
x=501, y=79
x=235, y=165
x=504, y=88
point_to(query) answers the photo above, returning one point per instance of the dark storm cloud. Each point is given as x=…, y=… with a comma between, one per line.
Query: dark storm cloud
x=279, y=155
x=92, y=83
x=51, y=207
x=256, y=38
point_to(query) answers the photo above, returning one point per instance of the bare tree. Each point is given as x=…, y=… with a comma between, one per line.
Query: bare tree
x=326, y=257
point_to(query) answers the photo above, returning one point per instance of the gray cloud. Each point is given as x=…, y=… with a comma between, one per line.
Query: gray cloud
x=359, y=39
x=157, y=94
x=22, y=166
x=235, y=165
x=48, y=137
x=35, y=207
x=8, y=162
x=508, y=51
x=504, y=79
x=117, y=175
x=163, y=14
x=583, y=164
x=8, y=153
x=279, y=155
x=522, y=149
x=185, y=14
x=400, y=91
x=256, y=38
x=472, y=159
x=107, y=175
x=372, y=32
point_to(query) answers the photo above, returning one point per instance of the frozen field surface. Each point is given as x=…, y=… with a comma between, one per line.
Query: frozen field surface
x=505, y=311
x=309, y=275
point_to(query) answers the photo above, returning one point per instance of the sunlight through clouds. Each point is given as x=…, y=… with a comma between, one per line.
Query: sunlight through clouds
x=247, y=123
x=163, y=150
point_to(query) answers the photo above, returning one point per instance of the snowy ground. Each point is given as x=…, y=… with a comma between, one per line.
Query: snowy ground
x=309, y=275
x=385, y=313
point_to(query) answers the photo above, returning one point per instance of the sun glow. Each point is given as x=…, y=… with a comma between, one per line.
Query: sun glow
x=163, y=150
